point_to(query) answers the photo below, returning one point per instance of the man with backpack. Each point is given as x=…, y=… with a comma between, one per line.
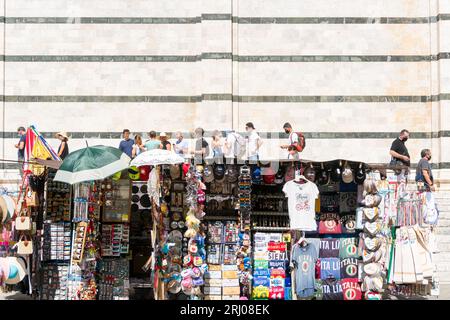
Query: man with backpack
x=296, y=142
x=234, y=146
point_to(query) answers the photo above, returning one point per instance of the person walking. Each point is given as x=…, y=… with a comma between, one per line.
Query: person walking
x=399, y=153
x=165, y=143
x=217, y=146
x=63, y=149
x=138, y=146
x=424, y=175
x=293, y=142
x=153, y=143
x=20, y=146
x=126, y=145
x=201, y=150
x=254, y=142
x=181, y=146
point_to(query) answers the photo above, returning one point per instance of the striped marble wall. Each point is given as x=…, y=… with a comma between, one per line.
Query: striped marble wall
x=350, y=74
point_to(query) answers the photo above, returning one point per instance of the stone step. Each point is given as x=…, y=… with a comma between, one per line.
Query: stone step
x=443, y=223
x=443, y=267
x=443, y=246
x=442, y=238
x=444, y=277
x=440, y=230
x=441, y=257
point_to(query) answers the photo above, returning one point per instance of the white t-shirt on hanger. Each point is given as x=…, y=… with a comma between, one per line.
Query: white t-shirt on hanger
x=301, y=204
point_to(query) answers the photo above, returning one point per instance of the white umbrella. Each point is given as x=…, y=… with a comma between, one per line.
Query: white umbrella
x=156, y=157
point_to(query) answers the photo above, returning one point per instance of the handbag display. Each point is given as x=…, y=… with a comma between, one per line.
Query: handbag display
x=32, y=200
x=24, y=246
x=23, y=223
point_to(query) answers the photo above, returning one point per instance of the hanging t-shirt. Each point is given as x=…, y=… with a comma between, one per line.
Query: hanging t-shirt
x=349, y=248
x=347, y=201
x=348, y=223
x=349, y=268
x=330, y=268
x=304, y=260
x=301, y=203
x=329, y=248
x=330, y=223
x=351, y=289
x=332, y=290
x=329, y=202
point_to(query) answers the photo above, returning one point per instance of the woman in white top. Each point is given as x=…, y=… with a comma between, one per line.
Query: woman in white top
x=138, y=146
x=254, y=142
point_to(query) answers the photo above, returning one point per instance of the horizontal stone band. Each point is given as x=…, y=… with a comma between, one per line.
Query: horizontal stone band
x=224, y=55
x=223, y=97
x=225, y=17
x=265, y=135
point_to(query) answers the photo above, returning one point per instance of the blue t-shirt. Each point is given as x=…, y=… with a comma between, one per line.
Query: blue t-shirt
x=126, y=146
x=21, y=153
x=330, y=267
x=152, y=144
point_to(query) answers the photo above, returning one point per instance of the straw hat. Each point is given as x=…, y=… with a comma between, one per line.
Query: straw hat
x=11, y=205
x=62, y=134
x=17, y=270
x=3, y=209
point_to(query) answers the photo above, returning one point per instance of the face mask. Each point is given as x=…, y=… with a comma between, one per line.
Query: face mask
x=286, y=131
x=429, y=158
x=405, y=139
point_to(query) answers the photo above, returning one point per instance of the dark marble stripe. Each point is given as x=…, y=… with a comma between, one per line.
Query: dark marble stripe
x=224, y=97
x=224, y=55
x=225, y=17
x=117, y=58
x=265, y=135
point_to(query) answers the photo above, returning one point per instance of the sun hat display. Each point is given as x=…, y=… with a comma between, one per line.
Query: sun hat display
x=279, y=177
x=324, y=177
x=372, y=228
x=310, y=173
x=373, y=283
x=3, y=210
x=370, y=214
x=17, y=270
x=372, y=244
x=336, y=173
x=208, y=174
x=219, y=172
x=144, y=173
x=133, y=173
x=231, y=174
x=372, y=269
x=347, y=174
x=370, y=186
x=360, y=175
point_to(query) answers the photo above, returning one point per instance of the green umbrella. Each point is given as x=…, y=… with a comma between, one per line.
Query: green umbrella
x=91, y=163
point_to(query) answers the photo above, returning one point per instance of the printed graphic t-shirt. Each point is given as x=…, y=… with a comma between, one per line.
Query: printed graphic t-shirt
x=349, y=248
x=332, y=290
x=330, y=267
x=301, y=203
x=329, y=248
x=351, y=289
x=304, y=260
x=349, y=268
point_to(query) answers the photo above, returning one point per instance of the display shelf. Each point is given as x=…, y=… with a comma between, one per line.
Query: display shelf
x=270, y=229
x=220, y=217
x=268, y=196
x=270, y=213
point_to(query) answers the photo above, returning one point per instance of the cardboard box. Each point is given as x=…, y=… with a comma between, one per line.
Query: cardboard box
x=229, y=291
x=230, y=297
x=229, y=267
x=213, y=297
x=230, y=283
x=213, y=282
x=229, y=275
x=214, y=267
x=213, y=275
x=212, y=290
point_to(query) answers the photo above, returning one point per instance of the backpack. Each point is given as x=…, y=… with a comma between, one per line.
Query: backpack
x=301, y=143
x=238, y=145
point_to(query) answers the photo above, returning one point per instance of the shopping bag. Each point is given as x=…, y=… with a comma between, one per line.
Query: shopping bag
x=24, y=246
x=32, y=199
x=23, y=223
x=431, y=212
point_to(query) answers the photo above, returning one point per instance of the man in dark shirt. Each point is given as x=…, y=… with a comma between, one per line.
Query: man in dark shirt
x=201, y=146
x=21, y=147
x=424, y=175
x=126, y=145
x=399, y=152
